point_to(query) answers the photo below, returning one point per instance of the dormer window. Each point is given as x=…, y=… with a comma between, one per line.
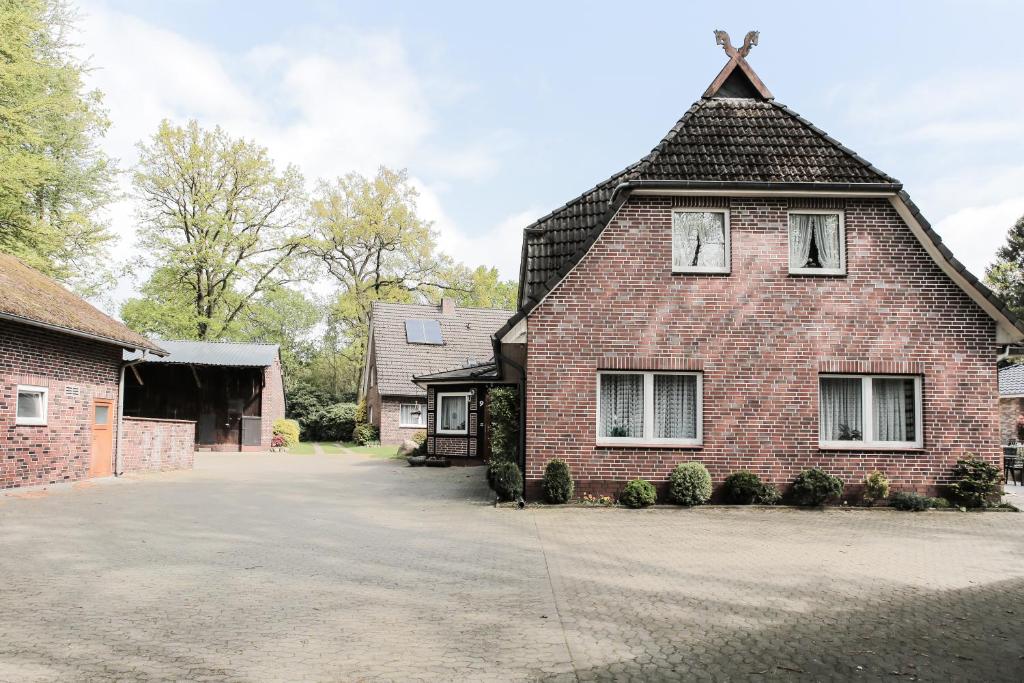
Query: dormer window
x=700, y=241
x=817, y=242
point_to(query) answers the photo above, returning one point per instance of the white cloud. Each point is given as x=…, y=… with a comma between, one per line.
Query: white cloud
x=974, y=233
x=330, y=102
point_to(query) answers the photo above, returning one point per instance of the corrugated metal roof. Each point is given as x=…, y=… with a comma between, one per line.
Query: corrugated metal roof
x=1011, y=380
x=230, y=354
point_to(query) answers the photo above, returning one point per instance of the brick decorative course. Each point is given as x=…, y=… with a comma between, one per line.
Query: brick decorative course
x=761, y=337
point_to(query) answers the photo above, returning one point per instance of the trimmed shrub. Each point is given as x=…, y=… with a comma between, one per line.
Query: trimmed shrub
x=743, y=488
x=769, y=495
x=689, y=484
x=939, y=503
x=639, y=493
x=557, y=483
x=365, y=434
x=876, y=486
x=815, y=487
x=288, y=430
x=506, y=479
x=976, y=482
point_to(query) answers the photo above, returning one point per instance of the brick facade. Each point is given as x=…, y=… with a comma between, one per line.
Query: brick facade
x=75, y=371
x=271, y=403
x=1010, y=412
x=387, y=415
x=761, y=337
x=449, y=445
x=150, y=445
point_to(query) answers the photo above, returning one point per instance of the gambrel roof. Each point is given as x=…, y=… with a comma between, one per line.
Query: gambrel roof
x=731, y=144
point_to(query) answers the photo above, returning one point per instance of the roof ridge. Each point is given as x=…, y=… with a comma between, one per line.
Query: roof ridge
x=215, y=341
x=437, y=307
x=828, y=138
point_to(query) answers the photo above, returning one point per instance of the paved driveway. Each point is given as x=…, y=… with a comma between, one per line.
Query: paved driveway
x=278, y=567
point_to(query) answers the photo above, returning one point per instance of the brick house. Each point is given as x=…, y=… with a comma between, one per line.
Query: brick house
x=1011, y=404
x=753, y=295
x=60, y=404
x=231, y=392
x=408, y=340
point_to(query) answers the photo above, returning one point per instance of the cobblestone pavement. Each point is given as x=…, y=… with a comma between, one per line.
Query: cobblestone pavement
x=329, y=568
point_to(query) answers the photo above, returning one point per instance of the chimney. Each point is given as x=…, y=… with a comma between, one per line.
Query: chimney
x=447, y=306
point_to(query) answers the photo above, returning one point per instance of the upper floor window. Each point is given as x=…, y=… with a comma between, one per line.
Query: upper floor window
x=817, y=242
x=32, y=408
x=700, y=241
x=874, y=411
x=649, y=408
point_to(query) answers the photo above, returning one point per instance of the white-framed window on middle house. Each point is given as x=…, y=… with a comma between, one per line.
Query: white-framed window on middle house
x=31, y=408
x=649, y=408
x=870, y=411
x=817, y=242
x=412, y=415
x=700, y=241
x=453, y=413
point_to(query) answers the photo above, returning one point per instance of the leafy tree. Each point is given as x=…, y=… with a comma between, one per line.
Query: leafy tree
x=54, y=179
x=220, y=227
x=479, y=288
x=1006, y=275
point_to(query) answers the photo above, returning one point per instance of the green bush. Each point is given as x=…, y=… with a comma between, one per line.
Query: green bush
x=360, y=415
x=336, y=422
x=287, y=430
x=742, y=488
x=557, y=483
x=365, y=434
x=975, y=482
x=506, y=479
x=689, y=484
x=420, y=437
x=815, y=487
x=876, y=486
x=770, y=495
x=906, y=500
x=639, y=493
x=503, y=407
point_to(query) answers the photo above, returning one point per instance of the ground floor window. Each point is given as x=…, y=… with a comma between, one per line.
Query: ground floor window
x=881, y=411
x=412, y=415
x=452, y=413
x=31, y=409
x=660, y=408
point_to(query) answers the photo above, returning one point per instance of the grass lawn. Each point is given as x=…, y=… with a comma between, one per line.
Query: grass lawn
x=302, y=448
x=375, y=451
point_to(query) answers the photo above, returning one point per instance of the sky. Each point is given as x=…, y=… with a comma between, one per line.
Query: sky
x=502, y=113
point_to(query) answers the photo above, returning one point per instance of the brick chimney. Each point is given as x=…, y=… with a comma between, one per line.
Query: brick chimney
x=447, y=306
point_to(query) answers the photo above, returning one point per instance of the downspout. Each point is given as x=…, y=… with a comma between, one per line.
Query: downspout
x=118, y=461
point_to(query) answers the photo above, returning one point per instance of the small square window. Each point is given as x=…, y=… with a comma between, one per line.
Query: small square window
x=452, y=413
x=817, y=243
x=32, y=405
x=412, y=415
x=700, y=241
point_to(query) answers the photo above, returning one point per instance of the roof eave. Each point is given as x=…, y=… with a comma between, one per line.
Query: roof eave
x=153, y=348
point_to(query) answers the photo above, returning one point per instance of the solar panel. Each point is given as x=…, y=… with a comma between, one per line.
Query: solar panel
x=419, y=331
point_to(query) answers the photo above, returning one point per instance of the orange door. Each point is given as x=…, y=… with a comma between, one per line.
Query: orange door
x=102, y=464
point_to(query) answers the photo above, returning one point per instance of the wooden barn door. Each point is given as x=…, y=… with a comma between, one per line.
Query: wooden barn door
x=101, y=464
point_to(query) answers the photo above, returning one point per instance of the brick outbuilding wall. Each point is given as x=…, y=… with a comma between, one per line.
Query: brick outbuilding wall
x=1010, y=412
x=75, y=370
x=151, y=445
x=272, y=407
x=761, y=337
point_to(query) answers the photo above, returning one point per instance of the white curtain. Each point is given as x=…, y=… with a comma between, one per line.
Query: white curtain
x=826, y=238
x=675, y=407
x=453, y=413
x=413, y=414
x=800, y=233
x=841, y=410
x=622, y=405
x=30, y=404
x=893, y=400
x=698, y=239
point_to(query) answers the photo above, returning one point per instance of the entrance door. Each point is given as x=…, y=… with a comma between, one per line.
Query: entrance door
x=102, y=438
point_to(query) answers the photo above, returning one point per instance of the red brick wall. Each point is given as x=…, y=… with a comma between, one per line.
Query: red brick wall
x=389, y=419
x=272, y=403
x=761, y=336
x=75, y=370
x=1010, y=410
x=150, y=445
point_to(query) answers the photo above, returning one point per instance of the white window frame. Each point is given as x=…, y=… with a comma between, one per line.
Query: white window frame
x=423, y=415
x=32, y=421
x=440, y=404
x=727, y=268
x=867, y=407
x=648, y=440
x=841, y=270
